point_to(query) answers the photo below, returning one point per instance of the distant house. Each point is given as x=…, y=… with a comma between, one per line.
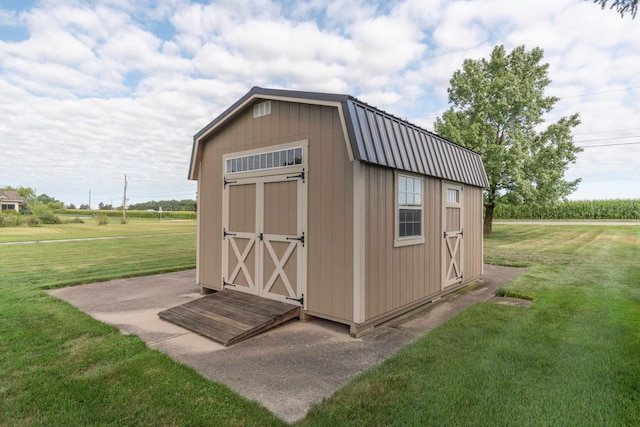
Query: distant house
x=10, y=200
x=322, y=201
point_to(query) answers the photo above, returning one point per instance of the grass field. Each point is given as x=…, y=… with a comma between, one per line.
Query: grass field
x=572, y=358
x=59, y=367
x=134, y=227
x=569, y=359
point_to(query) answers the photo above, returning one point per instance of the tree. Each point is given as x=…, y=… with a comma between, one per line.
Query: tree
x=497, y=107
x=628, y=6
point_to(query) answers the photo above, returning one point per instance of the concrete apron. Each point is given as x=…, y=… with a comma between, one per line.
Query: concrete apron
x=286, y=369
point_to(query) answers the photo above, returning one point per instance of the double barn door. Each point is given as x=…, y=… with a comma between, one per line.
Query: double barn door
x=263, y=245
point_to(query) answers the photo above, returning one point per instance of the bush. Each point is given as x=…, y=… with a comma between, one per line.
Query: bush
x=102, y=219
x=45, y=215
x=75, y=220
x=10, y=220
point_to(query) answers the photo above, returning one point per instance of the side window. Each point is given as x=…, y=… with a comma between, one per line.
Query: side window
x=409, y=210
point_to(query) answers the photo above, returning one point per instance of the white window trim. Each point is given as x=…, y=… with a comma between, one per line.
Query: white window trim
x=411, y=240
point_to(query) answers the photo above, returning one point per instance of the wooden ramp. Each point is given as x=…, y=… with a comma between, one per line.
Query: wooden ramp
x=230, y=316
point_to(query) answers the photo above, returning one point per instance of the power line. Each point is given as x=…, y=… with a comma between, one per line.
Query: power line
x=611, y=145
x=605, y=131
x=607, y=139
x=604, y=91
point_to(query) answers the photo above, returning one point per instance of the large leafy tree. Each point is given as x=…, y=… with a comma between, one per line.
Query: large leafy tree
x=498, y=108
x=622, y=6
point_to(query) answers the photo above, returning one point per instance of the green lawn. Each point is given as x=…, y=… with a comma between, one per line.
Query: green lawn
x=60, y=367
x=572, y=358
x=133, y=227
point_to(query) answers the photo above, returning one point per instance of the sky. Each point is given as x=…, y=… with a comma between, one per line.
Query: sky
x=91, y=91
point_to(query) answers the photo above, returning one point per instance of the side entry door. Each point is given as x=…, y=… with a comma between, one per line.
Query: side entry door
x=453, y=233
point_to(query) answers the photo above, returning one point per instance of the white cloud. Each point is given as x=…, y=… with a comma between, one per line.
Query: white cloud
x=108, y=87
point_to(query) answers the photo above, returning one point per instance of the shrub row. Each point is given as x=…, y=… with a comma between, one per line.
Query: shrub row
x=131, y=214
x=12, y=220
x=573, y=209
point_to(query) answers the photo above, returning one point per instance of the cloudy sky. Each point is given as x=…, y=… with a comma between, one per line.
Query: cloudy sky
x=93, y=90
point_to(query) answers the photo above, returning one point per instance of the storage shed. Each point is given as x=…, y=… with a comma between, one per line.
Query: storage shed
x=322, y=201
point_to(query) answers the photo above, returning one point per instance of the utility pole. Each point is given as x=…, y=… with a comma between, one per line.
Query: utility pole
x=89, y=198
x=124, y=201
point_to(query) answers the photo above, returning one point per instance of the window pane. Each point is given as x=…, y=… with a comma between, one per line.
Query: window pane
x=402, y=199
x=263, y=161
x=402, y=232
x=402, y=183
x=228, y=165
x=250, y=164
x=245, y=164
x=298, y=156
x=410, y=201
x=418, y=186
x=291, y=157
x=410, y=185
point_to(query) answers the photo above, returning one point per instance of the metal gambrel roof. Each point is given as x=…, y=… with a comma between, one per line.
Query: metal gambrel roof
x=383, y=139
x=374, y=136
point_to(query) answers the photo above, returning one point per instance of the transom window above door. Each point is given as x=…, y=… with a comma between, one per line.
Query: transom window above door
x=268, y=160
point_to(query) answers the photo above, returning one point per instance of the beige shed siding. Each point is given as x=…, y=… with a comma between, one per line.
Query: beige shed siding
x=473, y=232
x=329, y=180
x=397, y=276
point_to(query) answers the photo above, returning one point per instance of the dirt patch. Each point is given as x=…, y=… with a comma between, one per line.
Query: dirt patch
x=512, y=301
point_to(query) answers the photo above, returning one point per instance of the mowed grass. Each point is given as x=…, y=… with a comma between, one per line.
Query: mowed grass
x=133, y=227
x=572, y=358
x=60, y=367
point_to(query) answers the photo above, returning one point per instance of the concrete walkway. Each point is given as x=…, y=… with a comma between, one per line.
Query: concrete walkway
x=286, y=369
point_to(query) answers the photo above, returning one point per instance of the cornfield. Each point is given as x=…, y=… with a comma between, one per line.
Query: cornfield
x=575, y=209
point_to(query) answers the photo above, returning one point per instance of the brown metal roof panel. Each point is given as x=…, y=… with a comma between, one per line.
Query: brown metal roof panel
x=435, y=156
x=416, y=137
x=372, y=117
x=387, y=147
x=397, y=158
x=402, y=149
x=354, y=131
x=426, y=144
x=412, y=154
x=365, y=130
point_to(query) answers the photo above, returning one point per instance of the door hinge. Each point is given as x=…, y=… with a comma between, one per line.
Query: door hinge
x=261, y=236
x=227, y=182
x=300, y=239
x=300, y=175
x=300, y=300
x=225, y=234
x=224, y=283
